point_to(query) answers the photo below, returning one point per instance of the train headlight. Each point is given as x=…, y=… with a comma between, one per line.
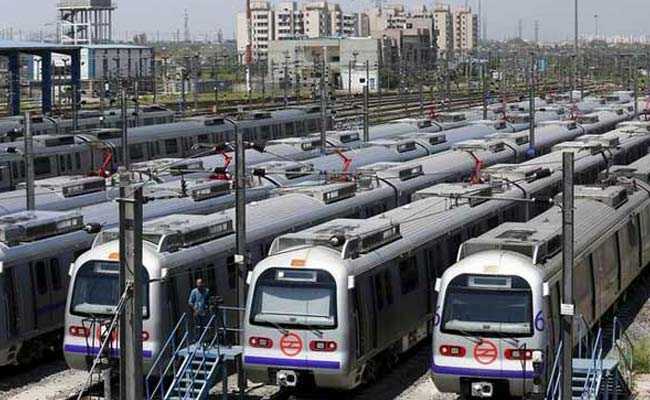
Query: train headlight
x=518, y=354
x=79, y=331
x=260, y=342
x=452, y=351
x=320, y=345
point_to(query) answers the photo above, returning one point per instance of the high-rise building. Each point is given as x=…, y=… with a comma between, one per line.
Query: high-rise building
x=289, y=20
x=444, y=25
x=465, y=28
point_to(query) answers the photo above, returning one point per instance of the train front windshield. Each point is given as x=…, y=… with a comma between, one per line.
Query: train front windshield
x=295, y=299
x=97, y=289
x=488, y=306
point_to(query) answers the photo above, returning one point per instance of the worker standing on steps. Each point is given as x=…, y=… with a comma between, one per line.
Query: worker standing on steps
x=198, y=302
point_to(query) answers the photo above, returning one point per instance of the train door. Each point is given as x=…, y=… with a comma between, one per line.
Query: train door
x=58, y=287
x=8, y=306
x=361, y=319
x=44, y=317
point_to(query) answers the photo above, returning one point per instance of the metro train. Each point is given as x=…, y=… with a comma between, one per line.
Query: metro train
x=203, y=196
x=86, y=153
x=499, y=305
x=389, y=141
x=331, y=304
x=12, y=127
x=212, y=257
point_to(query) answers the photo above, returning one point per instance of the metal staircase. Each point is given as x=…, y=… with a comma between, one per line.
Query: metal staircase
x=190, y=365
x=597, y=377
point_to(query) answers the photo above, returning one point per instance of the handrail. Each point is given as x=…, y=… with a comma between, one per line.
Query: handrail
x=161, y=354
x=626, y=356
x=592, y=380
x=188, y=360
x=554, y=378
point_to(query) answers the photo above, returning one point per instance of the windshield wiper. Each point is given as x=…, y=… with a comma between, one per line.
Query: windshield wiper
x=278, y=327
x=471, y=337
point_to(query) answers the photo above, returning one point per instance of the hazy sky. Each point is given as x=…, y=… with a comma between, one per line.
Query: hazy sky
x=626, y=17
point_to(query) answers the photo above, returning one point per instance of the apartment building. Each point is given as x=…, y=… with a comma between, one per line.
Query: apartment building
x=444, y=28
x=465, y=28
x=291, y=20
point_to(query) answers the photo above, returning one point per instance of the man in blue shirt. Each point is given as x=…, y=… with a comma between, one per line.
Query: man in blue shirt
x=198, y=302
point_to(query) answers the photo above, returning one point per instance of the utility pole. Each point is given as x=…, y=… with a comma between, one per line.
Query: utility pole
x=296, y=75
x=323, y=105
x=531, y=106
x=184, y=75
x=241, y=258
x=125, y=128
x=577, y=50
x=285, y=79
x=421, y=92
x=366, y=115
x=196, y=70
x=215, y=75
x=484, y=84
x=75, y=105
x=136, y=100
x=567, y=307
x=130, y=205
x=29, y=163
x=635, y=71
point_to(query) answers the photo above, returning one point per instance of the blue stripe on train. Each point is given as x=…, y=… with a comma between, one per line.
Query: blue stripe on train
x=482, y=373
x=285, y=362
x=92, y=351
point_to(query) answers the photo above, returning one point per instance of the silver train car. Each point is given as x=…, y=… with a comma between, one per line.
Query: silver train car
x=499, y=305
x=12, y=127
x=309, y=205
x=206, y=197
x=85, y=153
x=332, y=304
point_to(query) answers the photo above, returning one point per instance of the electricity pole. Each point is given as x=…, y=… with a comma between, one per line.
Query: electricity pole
x=240, y=221
x=29, y=163
x=635, y=71
x=484, y=84
x=125, y=124
x=323, y=105
x=130, y=205
x=531, y=106
x=567, y=307
x=366, y=115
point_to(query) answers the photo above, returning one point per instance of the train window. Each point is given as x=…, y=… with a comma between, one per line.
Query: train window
x=300, y=127
x=41, y=277
x=62, y=163
x=77, y=160
x=171, y=146
x=69, y=161
x=388, y=283
x=231, y=268
x=42, y=166
x=408, y=275
x=97, y=292
x=379, y=291
x=293, y=301
x=265, y=132
x=453, y=244
x=204, y=139
x=55, y=273
x=277, y=131
x=289, y=129
x=212, y=278
x=632, y=230
x=135, y=152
